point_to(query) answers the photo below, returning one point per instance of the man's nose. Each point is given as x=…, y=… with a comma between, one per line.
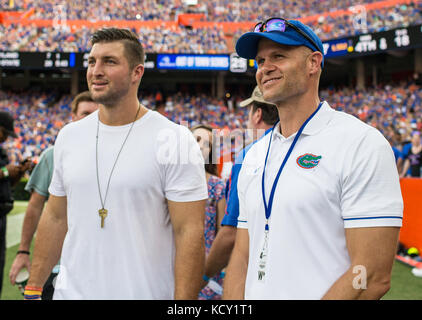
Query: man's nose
x=97, y=69
x=267, y=67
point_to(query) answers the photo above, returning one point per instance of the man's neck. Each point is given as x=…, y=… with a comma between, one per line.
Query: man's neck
x=260, y=131
x=293, y=114
x=122, y=113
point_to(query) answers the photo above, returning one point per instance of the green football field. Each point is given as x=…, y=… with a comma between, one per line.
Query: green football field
x=404, y=285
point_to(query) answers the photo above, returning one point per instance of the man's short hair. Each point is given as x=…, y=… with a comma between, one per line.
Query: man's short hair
x=134, y=50
x=81, y=97
x=269, y=112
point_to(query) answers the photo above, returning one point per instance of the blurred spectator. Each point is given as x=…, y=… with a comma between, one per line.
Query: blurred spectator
x=413, y=158
x=215, y=207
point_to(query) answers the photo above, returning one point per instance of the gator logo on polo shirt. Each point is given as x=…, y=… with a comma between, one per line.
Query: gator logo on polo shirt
x=308, y=161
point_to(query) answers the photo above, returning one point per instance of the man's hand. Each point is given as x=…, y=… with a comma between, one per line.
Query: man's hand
x=27, y=165
x=15, y=173
x=21, y=261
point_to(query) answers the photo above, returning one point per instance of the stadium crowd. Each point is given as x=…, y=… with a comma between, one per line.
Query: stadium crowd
x=394, y=109
x=202, y=40
x=169, y=40
x=167, y=10
x=38, y=118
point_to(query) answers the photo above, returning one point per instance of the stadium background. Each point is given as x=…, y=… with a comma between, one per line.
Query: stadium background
x=373, y=70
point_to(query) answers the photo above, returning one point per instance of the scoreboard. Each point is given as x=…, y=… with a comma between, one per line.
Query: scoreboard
x=51, y=60
x=371, y=43
x=348, y=47
x=37, y=60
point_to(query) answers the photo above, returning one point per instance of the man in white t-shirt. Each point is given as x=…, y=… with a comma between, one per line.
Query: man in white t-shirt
x=128, y=193
x=319, y=198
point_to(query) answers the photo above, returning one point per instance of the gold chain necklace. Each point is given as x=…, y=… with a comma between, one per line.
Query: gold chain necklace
x=103, y=212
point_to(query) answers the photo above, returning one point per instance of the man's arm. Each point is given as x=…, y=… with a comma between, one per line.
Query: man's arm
x=399, y=164
x=406, y=167
x=234, y=283
x=220, y=251
x=372, y=252
x=30, y=223
x=49, y=241
x=221, y=210
x=222, y=246
x=188, y=219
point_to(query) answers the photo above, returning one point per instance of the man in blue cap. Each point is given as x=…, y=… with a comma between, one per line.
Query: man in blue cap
x=320, y=206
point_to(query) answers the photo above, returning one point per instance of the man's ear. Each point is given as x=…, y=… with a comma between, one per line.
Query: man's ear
x=138, y=72
x=257, y=116
x=315, y=61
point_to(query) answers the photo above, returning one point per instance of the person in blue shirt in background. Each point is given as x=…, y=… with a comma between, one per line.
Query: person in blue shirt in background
x=396, y=144
x=262, y=117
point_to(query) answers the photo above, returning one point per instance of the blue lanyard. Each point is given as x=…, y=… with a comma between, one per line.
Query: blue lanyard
x=268, y=207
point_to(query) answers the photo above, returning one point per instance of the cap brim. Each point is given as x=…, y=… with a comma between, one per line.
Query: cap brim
x=247, y=45
x=246, y=102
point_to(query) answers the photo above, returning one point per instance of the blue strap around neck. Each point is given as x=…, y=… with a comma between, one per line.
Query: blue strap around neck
x=268, y=207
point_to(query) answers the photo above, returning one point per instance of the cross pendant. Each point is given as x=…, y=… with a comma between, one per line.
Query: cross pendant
x=103, y=214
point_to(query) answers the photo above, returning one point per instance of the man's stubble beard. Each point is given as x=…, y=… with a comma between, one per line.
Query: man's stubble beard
x=290, y=89
x=111, y=98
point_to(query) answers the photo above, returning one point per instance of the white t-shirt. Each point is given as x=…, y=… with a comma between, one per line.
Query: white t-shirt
x=341, y=174
x=132, y=257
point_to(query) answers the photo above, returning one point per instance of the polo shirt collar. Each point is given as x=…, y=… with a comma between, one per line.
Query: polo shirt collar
x=316, y=124
x=320, y=120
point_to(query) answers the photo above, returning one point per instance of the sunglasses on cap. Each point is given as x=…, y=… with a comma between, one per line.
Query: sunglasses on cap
x=280, y=25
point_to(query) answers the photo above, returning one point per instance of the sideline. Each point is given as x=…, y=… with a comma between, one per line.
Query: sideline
x=14, y=229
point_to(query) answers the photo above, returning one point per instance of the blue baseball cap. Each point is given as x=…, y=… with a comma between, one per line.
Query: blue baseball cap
x=247, y=45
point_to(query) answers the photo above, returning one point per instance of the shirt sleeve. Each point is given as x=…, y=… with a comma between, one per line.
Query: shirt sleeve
x=371, y=194
x=185, y=174
x=406, y=150
x=40, y=178
x=242, y=220
x=232, y=205
x=397, y=154
x=57, y=186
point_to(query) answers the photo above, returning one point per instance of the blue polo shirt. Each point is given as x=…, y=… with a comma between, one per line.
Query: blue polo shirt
x=405, y=150
x=232, y=200
x=397, y=153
